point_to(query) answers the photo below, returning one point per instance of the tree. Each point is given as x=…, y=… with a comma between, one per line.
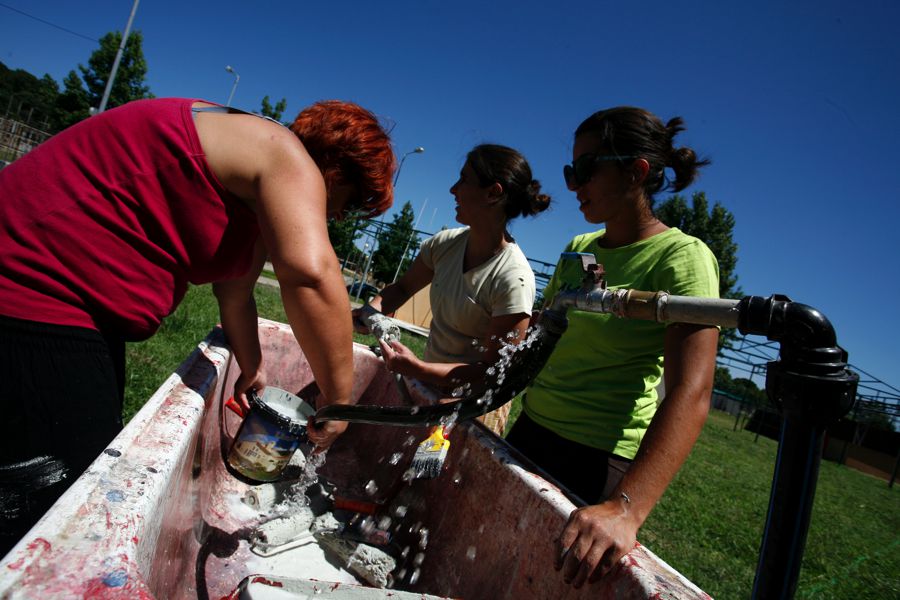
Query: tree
x=72, y=105
x=342, y=235
x=741, y=387
x=392, y=244
x=25, y=98
x=129, y=82
x=715, y=228
x=273, y=112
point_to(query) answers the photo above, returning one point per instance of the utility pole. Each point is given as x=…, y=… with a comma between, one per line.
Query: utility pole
x=115, y=66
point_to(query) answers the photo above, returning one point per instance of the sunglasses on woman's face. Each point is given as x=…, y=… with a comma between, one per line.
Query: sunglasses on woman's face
x=582, y=168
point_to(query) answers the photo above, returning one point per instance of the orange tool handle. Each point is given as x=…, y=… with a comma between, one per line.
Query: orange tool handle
x=235, y=407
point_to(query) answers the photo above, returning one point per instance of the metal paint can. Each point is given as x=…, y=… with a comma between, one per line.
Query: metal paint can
x=269, y=434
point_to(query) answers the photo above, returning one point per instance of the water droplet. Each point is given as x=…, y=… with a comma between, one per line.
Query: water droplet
x=419, y=558
x=395, y=458
x=470, y=553
x=409, y=475
x=371, y=487
x=409, y=441
x=457, y=478
x=400, y=512
x=384, y=523
x=367, y=525
x=404, y=553
x=414, y=577
x=401, y=573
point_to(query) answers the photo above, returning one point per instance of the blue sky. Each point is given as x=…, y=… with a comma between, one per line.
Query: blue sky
x=795, y=103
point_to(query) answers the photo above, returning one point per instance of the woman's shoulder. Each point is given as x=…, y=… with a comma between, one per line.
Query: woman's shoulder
x=583, y=242
x=446, y=236
x=674, y=240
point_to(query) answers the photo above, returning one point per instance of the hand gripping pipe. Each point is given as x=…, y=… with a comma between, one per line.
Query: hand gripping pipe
x=809, y=383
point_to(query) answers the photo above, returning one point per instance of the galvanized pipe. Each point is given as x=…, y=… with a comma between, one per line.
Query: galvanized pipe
x=661, y=307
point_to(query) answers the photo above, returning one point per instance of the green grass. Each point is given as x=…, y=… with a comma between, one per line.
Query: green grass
x=709, y=523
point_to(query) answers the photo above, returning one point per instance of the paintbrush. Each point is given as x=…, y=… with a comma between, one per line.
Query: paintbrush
x=431, y=454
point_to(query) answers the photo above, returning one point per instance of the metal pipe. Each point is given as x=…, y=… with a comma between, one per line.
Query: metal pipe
x=115, y=65
x=661, y=307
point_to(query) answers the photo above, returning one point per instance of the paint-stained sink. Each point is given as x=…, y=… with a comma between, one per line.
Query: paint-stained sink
x=158, y=514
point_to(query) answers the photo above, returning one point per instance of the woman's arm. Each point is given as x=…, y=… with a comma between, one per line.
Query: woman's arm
x=510, y=329
x=266, y=165
x=237, y=310
x=596, y=537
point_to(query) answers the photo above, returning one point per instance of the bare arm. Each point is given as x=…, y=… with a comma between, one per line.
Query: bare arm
x=508, y=328
x=266, y=165
x=237, y=310
x=596, y=537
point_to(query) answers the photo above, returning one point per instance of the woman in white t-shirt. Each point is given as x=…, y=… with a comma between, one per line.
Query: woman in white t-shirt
x=482, y=287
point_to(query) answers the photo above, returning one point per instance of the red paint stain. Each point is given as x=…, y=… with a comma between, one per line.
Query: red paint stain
x=268, y=582
x=36, y=547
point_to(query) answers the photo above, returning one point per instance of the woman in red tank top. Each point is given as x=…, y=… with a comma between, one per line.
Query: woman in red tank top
x=103, y=226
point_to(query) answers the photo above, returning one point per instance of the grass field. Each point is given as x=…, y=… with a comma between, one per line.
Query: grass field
x=708, y=525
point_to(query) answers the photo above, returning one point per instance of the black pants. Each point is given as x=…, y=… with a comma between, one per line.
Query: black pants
x=61, y=391
x=590, y=473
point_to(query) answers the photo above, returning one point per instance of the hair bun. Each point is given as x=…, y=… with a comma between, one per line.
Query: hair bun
x=537, y=202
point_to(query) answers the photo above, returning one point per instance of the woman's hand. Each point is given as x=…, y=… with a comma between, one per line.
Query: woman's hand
x=399, y=359
x=246, y=382
x=594, y=539
x=325, y=433
x=359, y=324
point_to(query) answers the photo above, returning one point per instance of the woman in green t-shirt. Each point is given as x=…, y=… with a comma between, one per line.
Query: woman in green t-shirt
x=590, y=418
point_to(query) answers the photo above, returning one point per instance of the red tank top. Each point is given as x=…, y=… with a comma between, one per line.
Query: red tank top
x=104, y=224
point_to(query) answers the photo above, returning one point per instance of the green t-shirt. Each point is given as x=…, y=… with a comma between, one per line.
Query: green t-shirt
x=599, y=386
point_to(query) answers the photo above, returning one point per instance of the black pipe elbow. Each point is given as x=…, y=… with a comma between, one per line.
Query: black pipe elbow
x=780, y=319
x=807, y=336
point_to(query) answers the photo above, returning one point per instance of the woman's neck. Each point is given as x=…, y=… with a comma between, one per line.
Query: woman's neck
x=484, y=243
x=631, y=229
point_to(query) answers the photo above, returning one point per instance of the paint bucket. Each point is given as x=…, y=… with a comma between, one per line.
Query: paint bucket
x=269, y=434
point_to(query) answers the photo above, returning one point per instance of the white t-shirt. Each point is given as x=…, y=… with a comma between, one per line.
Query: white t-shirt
x=463, y=303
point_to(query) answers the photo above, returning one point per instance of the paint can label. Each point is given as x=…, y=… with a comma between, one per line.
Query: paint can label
x=261, y=449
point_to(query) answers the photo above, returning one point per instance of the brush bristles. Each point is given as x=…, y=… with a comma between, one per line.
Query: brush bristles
x=428, y=468
x=427, y=463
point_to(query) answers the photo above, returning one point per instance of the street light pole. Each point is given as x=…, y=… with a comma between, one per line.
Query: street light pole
x=237, y=78
x=412, y=234
x=416, y=150
x=115, y=66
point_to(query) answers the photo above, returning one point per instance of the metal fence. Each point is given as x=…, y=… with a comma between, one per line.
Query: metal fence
x=17, y=138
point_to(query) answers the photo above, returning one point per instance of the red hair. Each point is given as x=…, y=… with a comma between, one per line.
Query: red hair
x=349, y=146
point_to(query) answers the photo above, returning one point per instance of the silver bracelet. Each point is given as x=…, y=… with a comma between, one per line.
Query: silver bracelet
x=625, y=497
